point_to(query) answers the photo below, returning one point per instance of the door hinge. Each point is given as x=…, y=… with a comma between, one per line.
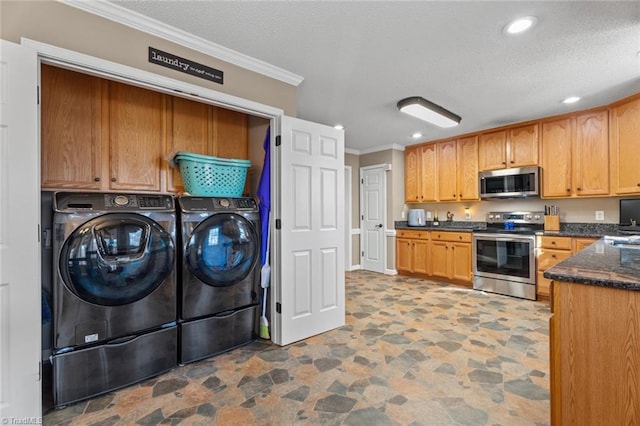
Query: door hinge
x=362, y=216
x=362, y=254
x=278, y=224
x=362, y=181
x=278, y=140
x=38, y=96
x=278, y=307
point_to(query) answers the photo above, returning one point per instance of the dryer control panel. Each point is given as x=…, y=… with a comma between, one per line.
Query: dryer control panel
x=71, y=201
x=215, y=204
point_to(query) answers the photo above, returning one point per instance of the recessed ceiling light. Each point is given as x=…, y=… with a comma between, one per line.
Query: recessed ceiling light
x=571, y=100
x=416, y=135
x=520, y=25
x=338, y=127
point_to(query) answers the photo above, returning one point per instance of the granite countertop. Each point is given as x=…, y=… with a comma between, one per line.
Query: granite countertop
x=459, y=226
x=601, y=264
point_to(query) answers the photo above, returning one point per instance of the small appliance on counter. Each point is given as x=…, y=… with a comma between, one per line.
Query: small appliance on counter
x=629, y=216
x=416, y=217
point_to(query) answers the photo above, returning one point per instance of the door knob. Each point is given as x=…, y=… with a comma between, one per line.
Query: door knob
x=379, y=225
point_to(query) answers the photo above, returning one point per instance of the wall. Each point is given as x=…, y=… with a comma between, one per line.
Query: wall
x=354, y=161
x=67, y=27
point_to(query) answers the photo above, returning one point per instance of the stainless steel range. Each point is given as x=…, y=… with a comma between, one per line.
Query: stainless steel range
x=504, y=254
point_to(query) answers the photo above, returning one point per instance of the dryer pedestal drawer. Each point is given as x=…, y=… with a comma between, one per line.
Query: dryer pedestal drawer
x=89, y=372
x=213, y=335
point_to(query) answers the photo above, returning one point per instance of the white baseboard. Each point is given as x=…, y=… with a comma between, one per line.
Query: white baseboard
x=390, y=272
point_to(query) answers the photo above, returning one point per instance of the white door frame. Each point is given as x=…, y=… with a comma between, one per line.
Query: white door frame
x=383, y=249
x=348, y=209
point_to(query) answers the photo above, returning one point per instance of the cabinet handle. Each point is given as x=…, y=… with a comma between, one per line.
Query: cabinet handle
x=553, y=255
x=579, y=189
x=553, y=243
x=638, y=184
x=568, y=189
x=504, y=162
x=512, y=161
x=454, y=195
x=113, y=179
x=97, y=179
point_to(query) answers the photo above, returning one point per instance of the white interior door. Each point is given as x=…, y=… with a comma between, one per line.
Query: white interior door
x=20, y=392
x=373, y=215
x=309, y=277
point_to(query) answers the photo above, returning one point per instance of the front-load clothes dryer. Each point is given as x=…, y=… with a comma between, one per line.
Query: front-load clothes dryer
x=220, y=274
x=115, y=291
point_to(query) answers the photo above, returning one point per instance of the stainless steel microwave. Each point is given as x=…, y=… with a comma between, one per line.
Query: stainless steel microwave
x=510, y=183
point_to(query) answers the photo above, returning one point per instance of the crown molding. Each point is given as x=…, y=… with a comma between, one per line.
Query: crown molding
x=351, y=151
x=393, y=146
x=134, y=20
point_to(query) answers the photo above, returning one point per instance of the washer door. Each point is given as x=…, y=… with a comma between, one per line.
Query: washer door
x=116, y=259
x=222, y=250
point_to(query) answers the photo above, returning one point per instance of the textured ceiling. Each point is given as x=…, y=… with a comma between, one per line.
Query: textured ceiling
x=359, y=58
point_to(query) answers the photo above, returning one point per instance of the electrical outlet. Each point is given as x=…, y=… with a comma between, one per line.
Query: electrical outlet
x=402, y=215
x=428, y=215
x=599, y=214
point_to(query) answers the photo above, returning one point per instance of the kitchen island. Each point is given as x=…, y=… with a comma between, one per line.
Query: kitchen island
x=595, y=336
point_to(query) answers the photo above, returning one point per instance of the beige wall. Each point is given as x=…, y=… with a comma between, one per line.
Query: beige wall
x=64, y=26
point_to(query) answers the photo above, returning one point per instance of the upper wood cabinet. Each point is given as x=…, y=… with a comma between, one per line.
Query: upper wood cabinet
x=71, y=129
x=467, y=168
x=625, y=148
x=447, y=171
x=103, y=135
x=515, y=147
x=575, y=153
x=420, y=173
x=136, y=137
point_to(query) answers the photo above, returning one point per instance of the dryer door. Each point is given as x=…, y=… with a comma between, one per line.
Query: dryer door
x=222, y=250
x=116, y=259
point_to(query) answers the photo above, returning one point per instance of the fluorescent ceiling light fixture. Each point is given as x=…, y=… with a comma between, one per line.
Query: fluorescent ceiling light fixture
x=571, y=100
x=338, y=127
x=428, y=111
x=416, y=135
x=520, y=25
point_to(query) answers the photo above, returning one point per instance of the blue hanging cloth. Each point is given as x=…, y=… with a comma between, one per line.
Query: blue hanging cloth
x=264, y=196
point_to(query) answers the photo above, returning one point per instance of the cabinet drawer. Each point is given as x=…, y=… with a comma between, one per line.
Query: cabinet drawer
x=451, y=236
x=558, y=243
x=412, y=234
x=548, y=258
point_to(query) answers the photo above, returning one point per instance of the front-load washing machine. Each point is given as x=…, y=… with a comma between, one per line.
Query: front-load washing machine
x=114, y=291
x=219, y=282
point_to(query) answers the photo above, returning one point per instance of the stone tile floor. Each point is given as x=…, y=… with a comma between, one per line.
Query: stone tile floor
x=412, y=352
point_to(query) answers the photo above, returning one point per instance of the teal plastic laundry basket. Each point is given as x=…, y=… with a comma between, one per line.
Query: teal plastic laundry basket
x=208, y=176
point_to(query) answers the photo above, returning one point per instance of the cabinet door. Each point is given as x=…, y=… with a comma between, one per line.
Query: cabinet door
x=580, y=243
x=556, y=149
x=428, y=173
x=404, y=254
x=523, y=146
x=591, y=154
x=625, y=134
x=447, y=172
x=467, y=168
x=421, y=256
x=461, y=261
x=230, y=134
x=188, y=130
x=492, y=151
x=439, y=259
x=71, y=126
x=137, y=136
x=412, y=174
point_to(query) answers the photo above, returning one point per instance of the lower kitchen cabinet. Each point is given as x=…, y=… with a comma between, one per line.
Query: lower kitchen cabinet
x=451, y=256
x=594, y=355
x=551, y=251
x=412, y=252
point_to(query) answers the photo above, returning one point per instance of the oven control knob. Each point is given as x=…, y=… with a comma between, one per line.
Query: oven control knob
x=537, y=217
x=490, y=216
x=528, y=217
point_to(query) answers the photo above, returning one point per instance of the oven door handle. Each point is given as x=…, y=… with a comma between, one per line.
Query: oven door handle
x=502, y=237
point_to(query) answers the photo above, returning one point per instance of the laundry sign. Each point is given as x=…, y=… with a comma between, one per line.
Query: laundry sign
x=185, y=65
